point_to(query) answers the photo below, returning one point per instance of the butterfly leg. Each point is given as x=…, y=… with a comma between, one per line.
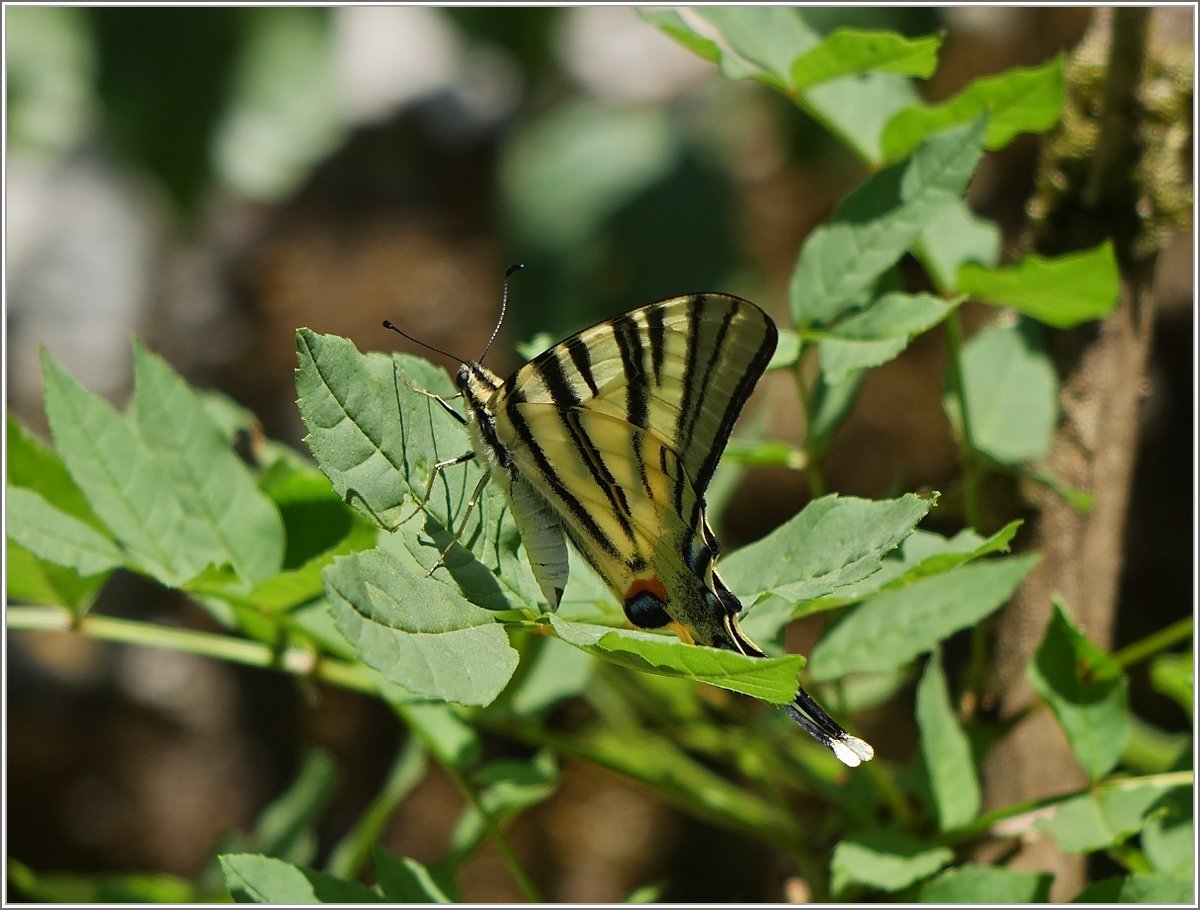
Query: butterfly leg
x=433, y=475
x=440, y=400
x=462, y=524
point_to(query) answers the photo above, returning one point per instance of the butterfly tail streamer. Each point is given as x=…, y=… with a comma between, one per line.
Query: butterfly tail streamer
x=812, y=718
x=850, y=750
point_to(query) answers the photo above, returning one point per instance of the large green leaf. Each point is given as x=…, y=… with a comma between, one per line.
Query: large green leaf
x=886, y=860
x=231, y=518
x=32, y=580
x=125, y=483
x=377, y=439
x=1087, y=691
x=1016, y=101
x=890, y=630
x=57, y=537
x=1109, y=815
x=33, y=465
x=763, y=43
x=877, y=223
x=406, y=881
x=417, y=631
x=971, y=884
x=255, y=879
x=1062, y=292
x=1156, y=890
x=772, y=679
x=878, y=333
x=851, y=51
x=1011, y=393
x=945, y=751
x=956, y=236
x=834, y=541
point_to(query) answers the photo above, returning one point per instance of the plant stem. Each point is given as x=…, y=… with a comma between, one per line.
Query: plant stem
x=986, y=821
x=507, y=854
x=408, y=769
x=812, y=458
x=1155, y=642
x=970, y=463
x=296, y=661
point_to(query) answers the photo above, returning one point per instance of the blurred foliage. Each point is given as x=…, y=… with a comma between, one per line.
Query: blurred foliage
x=611, y=204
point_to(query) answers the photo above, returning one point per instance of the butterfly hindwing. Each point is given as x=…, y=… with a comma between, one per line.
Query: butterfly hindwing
x=609, y=439
x=620, y=427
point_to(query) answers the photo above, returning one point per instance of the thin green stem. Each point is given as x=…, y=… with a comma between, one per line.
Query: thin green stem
x=1155, y=642
x=981, y=824
x=408, y=769
x=507, y=854
x=812, y=459
x=971, y=505
x=297, y=661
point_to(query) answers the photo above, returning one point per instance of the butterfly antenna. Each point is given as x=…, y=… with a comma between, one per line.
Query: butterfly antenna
x=388, y=324
x=508, y=273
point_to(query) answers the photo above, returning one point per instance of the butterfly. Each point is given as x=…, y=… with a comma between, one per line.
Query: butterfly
x=608, y=440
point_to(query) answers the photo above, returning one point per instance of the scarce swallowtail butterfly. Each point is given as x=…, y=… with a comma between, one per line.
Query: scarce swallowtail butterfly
x=609, y=440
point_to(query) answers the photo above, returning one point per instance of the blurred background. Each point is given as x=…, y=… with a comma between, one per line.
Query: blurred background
x=210, y=179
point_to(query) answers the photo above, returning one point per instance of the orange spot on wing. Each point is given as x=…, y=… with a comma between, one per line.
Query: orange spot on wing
x=653, y=584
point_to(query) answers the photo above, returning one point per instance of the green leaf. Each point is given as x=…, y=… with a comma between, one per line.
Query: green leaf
x=1169, y=838
x=834, y=541
x=110, y=888
x=920, y=555
x=1011, y=393
x=1087, y=692
x=454, y=741
x=57, y=537
x=675, y=776
x=886, y=860
x=878, y=333
x=1062, y=291
x=552, y=673
x=377, y=439
x=406, y=881
x=877, y=223
x=33, y=465
x=1171, y=675
x=1107, y=816
x=286, y=829
x=505, y=789
x=945, y=751
x=850, y=51
x=254, y=879
x=772, y=679
x=831, y=402
x=1137, y=889
x=956, y=236
x=367, y=428
x=890, y=630
x=621, y=149
x=126, y=485
x=1016, y=101
x=971, y=884
x=32, y=580
x=762, y=43
x=417, y=631
x=233, y=522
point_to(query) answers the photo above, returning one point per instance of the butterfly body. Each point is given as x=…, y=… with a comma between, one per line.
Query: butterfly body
x=609, y=440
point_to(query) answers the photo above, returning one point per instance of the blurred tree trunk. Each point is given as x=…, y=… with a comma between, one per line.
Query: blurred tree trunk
x=1104, y=381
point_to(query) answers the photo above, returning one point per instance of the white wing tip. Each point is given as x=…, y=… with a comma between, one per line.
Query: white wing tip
x=852, y=751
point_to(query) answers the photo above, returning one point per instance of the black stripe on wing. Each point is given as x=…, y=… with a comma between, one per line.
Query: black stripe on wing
x=551, y=371
x=577, y=510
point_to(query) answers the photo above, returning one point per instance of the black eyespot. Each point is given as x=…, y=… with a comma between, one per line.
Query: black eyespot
x=646, y=611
